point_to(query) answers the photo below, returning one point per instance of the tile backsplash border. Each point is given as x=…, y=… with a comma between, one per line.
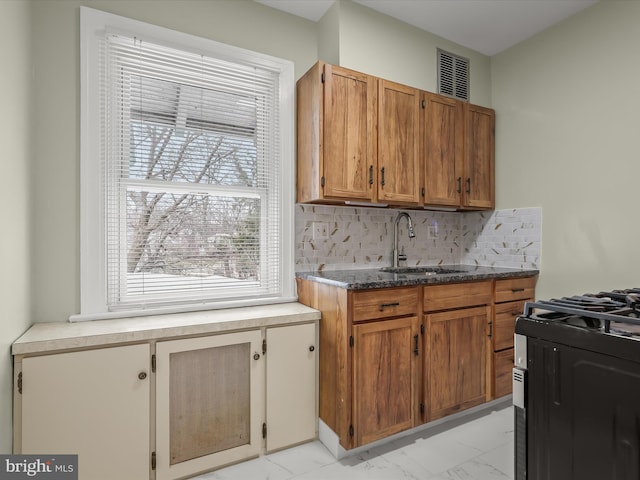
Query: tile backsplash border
x=362, y=237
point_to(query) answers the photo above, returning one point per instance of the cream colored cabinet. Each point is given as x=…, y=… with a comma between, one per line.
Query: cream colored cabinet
x=292, y=400
x=93, y=403
x=209, y=402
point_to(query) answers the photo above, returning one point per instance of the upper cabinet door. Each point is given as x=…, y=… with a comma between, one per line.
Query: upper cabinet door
x=478, y=187
x=443, y=121
x=349, y=146
x=398, y=144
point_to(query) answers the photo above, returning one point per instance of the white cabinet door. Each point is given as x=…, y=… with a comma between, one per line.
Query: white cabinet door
x=93, y=403
x=209, y=402
x=291, y=385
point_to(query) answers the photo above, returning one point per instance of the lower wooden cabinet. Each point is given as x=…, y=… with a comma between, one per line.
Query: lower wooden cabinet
x=93, y=403
x=385, y=361
x=455, y=375
x=292, y=405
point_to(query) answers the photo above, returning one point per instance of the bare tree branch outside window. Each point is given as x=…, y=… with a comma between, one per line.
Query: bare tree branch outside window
x=180, y=231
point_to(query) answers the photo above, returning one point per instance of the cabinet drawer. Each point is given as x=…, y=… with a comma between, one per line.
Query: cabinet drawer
x=504, y=323
x=382, y=303
x=456, y=295
x=503, y=367
x=515, y=289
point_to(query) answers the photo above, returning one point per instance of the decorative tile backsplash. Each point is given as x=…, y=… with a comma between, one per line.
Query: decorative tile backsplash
x=332, y=238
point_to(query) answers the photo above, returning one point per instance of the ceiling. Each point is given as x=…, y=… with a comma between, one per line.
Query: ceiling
x=486, y=26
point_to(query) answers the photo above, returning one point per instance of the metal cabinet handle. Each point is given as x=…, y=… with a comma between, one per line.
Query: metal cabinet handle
x=490, y=329
x=256, y=356
x=382, y=176
x=459, y=184
x=416, y=349
x=142, y=375
x=468, y=184
x=516, y=290
x=386, y=305
x=312, y=348
x=370, y=174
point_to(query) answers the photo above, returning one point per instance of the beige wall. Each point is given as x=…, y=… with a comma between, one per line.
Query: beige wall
x=567, y=139
x=244, y=23
x=15, y=195
x=385, y=47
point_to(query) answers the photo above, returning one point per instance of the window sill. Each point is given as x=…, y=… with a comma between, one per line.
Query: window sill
x=51, y=337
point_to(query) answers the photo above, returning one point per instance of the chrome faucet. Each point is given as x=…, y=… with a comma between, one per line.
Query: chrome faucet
x=412, y=233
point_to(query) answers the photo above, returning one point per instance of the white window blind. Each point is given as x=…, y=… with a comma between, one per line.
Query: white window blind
x=192, y=171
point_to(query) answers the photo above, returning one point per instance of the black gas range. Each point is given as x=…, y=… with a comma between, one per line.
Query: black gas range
x=577, y=388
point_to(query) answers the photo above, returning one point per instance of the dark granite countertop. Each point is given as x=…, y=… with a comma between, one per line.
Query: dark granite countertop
x=374, y=278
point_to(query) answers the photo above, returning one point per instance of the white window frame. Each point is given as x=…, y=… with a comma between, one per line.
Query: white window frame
x=93, y=288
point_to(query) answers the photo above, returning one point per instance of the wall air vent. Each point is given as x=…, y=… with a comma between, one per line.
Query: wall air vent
x=453, y=75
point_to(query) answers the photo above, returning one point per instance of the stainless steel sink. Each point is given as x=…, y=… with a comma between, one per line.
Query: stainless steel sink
x=420, y=270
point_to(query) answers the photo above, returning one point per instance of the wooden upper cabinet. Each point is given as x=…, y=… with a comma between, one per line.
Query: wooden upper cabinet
x=365, y=139
x=458, y=153
x=442, y=121
x=479, y=159
x=398, y=144
x=337, y=114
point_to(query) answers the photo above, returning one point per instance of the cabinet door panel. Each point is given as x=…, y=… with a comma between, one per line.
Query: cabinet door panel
x=444, y=147
x=349, y=134
x=456, y=369
x=503, y=367
x=292, y=400
x=93, y=404
x=209, y=402
x=384, y=373
x=398, y=141
x=478, y=188
x=504, y=324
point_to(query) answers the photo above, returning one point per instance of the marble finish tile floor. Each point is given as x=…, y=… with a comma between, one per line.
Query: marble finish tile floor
x=477, y=449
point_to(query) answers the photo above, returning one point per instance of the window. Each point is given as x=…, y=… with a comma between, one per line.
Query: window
x=187, y=172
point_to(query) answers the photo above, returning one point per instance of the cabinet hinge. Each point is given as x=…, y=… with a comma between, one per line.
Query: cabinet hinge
x=422, y=329
x=422, y=408
x=264, y=346
x=264, y=430
x=322, y=78
x=351, y=430
x=153, y=363
x=351, y=341
x=153, y=460
x=322, y=182
x=20, y=383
